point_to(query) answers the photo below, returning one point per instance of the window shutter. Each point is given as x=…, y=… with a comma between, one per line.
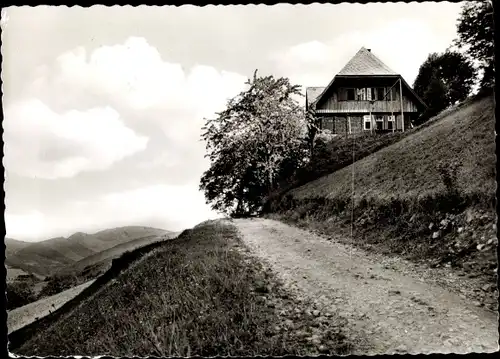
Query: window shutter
x=369, y=94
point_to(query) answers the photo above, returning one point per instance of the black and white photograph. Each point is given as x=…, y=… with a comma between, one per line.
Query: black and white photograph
x=246, y=180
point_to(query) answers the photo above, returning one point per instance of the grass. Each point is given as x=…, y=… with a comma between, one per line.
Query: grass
x=194, y=295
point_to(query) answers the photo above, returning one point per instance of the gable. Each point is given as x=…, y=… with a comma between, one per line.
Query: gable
x=365, y=63
x=312, y=94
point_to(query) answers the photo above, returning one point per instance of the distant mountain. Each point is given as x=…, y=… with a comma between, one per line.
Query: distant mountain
x=13, y=245
x=49, y=256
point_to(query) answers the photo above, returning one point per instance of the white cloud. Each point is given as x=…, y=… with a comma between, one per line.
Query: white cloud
x=42, y=143
x=135, y=74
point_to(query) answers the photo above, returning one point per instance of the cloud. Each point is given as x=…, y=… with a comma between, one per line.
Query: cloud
x=42, y=143
x=135, y=74
x=134, y=77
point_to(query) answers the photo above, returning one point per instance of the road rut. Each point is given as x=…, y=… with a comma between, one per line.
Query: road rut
x=387, y=311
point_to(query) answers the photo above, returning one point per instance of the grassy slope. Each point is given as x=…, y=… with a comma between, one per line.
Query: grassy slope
x=408, y=168
x=193, y=295
x=48, y=256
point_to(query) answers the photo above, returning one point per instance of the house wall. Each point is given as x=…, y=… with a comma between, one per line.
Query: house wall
x=341, y=125
x=336, y=100
x=331, y=105
x=356, y=124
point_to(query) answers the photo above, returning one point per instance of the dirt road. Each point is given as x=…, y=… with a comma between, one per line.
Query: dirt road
x=388, y=310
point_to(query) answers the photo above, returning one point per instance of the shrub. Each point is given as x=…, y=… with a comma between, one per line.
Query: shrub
x=19, y=293
x=57, y=284
x=448, y=172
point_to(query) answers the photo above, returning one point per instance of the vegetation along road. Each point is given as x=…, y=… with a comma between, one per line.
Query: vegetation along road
x=389, y=309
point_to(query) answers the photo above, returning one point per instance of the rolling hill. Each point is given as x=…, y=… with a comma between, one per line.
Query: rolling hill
x=47, y=257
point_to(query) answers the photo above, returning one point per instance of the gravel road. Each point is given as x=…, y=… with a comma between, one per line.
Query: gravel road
x=387, y=310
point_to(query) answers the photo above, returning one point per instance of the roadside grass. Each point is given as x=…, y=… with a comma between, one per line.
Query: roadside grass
x=194, y=295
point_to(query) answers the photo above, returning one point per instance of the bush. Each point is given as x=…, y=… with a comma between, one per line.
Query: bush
x=19, y=293
x=448, y=172
x=57, y=284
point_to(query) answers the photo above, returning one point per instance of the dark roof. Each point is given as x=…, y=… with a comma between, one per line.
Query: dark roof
x=312, y=93
x=365, y=63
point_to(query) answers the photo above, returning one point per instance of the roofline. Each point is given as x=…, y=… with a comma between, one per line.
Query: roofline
x=414, y=93
x=377, y=75
x=353, y=76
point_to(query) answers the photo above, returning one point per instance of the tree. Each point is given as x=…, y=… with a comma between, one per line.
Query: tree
x=443, y=80
x=257, y=138
x=475, y=30
x=435, y=95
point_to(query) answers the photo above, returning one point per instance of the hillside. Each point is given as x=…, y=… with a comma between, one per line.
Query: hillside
x=47, y=257
x=408, y=167
x=197, y=294
x=13, y=246
x=428, y=197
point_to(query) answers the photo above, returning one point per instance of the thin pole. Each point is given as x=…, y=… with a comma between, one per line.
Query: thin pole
x=352, y=200
x=392, y=113
x=401, y=100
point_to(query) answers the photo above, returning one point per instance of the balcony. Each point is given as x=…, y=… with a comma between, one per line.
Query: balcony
x=366, y=106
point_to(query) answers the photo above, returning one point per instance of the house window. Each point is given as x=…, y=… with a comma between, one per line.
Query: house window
x=369, y=94
x=361, y=94
x=379, y=122
x=367, y=123
x=379, y=92
x=328, y=124
x=350, y=95
x=393, y=94
x=390, y=122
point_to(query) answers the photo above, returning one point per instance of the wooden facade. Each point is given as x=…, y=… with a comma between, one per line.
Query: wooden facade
x=365, y=96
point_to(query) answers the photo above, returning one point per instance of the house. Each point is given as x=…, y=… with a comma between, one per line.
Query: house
x=365, y=95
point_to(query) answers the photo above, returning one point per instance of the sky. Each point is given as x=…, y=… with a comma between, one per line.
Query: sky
x=103, y=106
